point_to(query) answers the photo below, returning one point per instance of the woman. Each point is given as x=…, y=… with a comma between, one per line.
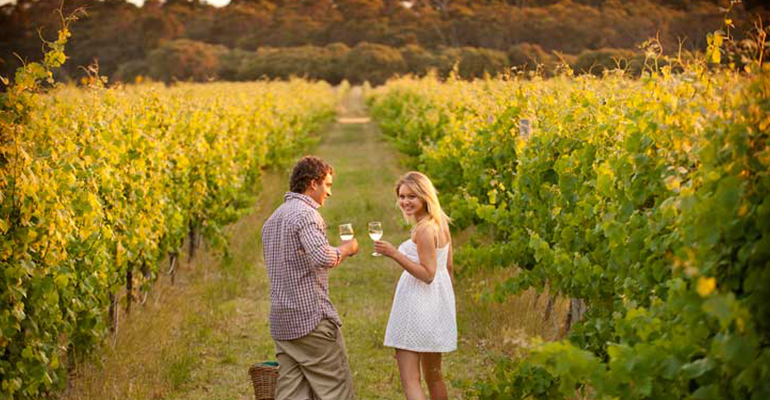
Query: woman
x=422, y=322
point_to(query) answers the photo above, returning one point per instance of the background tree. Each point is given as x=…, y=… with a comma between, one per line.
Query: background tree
x=116, y=32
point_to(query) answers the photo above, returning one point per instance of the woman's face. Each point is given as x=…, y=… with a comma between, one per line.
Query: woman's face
x=409, y=203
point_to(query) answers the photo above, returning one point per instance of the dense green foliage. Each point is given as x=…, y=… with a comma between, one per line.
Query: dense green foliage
x=186, y=60
x=97, y=186
x=130, y=39
x=649, y=199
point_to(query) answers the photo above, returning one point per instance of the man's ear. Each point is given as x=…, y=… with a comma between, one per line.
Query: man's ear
x=313, y=185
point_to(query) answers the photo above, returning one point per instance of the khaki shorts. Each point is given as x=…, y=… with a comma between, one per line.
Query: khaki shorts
x=315, y=366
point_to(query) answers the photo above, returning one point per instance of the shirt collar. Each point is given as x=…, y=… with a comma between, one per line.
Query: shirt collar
x=301, y=197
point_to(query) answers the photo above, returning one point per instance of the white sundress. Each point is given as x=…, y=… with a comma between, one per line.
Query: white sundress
x=423, y=317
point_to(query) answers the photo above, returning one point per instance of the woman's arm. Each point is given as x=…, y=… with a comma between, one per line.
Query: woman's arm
x=425, y=270
x=450, y=263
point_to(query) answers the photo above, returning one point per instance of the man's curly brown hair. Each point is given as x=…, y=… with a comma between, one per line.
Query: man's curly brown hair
x=308, y=169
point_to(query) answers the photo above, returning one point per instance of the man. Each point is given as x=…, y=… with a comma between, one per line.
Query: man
x=303, y=321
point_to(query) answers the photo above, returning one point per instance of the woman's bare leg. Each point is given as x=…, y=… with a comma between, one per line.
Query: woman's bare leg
x=431, y=369
x=409, y=369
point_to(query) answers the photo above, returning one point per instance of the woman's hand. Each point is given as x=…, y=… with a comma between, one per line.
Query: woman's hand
x=384, y=248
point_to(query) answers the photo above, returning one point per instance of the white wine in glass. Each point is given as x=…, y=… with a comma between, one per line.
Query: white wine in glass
x=375, y=232
x=346, y=232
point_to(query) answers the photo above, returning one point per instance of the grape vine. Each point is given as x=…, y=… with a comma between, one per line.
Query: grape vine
x=648, y=199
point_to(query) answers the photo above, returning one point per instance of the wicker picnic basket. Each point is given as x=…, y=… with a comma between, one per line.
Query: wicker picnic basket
x=263, y=376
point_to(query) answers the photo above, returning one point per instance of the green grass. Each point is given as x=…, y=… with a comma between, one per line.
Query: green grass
x=197, y=339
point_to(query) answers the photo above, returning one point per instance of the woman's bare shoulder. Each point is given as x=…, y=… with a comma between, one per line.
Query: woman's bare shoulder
x=424, y=232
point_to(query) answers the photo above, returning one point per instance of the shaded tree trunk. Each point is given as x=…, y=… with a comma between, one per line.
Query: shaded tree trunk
x=172, y=260
x=192, y=237
x=577, y=309
x=113, y=313
x=129, y=289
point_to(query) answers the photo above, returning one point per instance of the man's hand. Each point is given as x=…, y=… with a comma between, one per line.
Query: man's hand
x=349, y=248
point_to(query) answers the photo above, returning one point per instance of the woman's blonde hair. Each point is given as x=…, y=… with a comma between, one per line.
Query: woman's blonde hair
x=426, y=192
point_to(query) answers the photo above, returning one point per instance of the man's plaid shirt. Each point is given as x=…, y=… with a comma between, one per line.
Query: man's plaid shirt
x=298, y=256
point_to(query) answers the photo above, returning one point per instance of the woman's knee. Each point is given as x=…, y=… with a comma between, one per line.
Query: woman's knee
x=431, y=364
x=434, y=378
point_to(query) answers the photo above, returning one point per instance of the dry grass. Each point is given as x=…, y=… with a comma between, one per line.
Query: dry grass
x=505, y=327
x=159, y=350
x=148, y=352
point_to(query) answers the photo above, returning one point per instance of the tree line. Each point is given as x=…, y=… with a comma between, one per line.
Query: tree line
x=337, y=39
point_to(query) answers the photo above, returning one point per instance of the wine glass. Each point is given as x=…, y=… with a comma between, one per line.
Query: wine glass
x=346, y=232
x=375, y=232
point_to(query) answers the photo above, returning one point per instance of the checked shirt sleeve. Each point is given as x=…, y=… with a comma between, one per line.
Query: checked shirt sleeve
x=316, y=245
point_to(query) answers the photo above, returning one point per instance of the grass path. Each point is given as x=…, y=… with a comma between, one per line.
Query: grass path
x=196, y=340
